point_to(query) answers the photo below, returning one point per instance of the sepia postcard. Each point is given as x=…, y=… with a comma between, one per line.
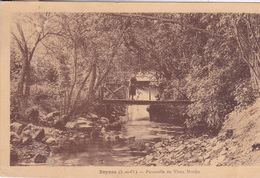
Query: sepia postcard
x=105, y=89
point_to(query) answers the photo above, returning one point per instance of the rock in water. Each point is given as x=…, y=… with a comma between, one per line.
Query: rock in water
x=68, y=145
x=84, y=128
x=83, y=120
x=115, y=126
x=51, y=141
x=39, y=158
x=39, y=135
x=103, y=121
x=83, y=125
x=93, y=116
x=17, y=127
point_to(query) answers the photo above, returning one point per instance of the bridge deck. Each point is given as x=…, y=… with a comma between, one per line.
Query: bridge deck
x=145, y=102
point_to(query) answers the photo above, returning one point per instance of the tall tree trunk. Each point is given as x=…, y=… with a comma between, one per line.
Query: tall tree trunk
x=80, y=89
x=68, y=107
x=92, y=80
x=250, y=59
x=22, y=89
x=255, y=74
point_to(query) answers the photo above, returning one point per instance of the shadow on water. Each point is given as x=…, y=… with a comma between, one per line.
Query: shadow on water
x=130, y=145
x=125, y=146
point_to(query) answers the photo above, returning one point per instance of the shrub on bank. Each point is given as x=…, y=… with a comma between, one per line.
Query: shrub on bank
x=46, y=96
x=216, y=93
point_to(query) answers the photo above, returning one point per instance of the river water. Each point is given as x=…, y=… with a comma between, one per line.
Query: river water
x=122, y=148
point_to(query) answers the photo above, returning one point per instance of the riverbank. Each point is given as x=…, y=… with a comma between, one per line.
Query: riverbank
x=237, y=144
x=37, y=143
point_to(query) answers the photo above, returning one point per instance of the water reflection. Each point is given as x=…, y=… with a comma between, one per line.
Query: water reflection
x=124, y=147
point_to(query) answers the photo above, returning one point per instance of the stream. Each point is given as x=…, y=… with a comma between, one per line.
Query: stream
x=122, y=148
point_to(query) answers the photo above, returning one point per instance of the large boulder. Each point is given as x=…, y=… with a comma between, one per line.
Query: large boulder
x=83, y=125
x=51, y=141
x=92, y=116
x=15, y=138
x=26, y=133
x=26, y=140
x=51, y=118
x=84, y=128
x=29, y=127
x=70, y=125
x=17, y=127
x=39, y=158
x=39, y=135
x=52, y=114
x=82, y=120
x=60, y=122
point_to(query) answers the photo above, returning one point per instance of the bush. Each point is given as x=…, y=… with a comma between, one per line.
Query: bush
x=244, y=94
x=13, y=104
x=46, y=96
x=167, y=114
x=32, y=114
x=216, y=94
x=52, y=75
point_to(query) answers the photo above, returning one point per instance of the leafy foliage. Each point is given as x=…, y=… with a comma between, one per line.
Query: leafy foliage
x=212, y=59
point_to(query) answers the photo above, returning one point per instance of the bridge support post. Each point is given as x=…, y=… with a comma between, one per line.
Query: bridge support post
x=107, y=110
x=101, y=94
x=149, y=92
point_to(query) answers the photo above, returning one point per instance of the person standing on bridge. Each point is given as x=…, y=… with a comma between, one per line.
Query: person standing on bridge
x=132, y=88
x=161, y=86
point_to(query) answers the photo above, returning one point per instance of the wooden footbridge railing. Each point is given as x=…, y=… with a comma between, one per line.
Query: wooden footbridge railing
x=110, y=94
x=145, y=102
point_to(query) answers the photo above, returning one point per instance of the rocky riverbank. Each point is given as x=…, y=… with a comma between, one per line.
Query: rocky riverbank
x=185, y=151
x=37, y=143
x=237, y=144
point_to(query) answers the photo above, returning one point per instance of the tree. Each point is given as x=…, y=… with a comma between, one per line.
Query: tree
x=241, y=27
x=92, y=42
x=246, y=30
x=27, y=37
x=206, y=51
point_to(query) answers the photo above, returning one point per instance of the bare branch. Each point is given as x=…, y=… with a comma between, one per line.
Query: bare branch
x=173, y=22
x=18, y=42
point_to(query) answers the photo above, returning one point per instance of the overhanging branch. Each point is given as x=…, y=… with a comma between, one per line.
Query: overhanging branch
x=173, y=22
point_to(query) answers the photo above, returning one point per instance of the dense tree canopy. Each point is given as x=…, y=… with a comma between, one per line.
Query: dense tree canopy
x=212, y=59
